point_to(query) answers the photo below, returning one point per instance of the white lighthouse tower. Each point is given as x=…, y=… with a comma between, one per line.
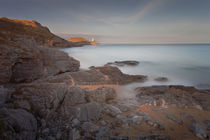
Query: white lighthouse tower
x=92, y=39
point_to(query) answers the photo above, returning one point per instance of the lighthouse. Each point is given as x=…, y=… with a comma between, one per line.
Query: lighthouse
x=92, y=39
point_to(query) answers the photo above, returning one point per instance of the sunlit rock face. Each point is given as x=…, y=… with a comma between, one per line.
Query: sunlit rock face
x=79, y=41
x=15, y=31
x=25, y=54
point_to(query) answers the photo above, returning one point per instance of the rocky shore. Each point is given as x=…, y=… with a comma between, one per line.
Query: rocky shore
x=45, y=96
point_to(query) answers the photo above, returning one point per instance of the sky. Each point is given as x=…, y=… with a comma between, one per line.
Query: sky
x=119, y=21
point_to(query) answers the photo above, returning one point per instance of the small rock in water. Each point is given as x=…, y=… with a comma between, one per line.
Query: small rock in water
x=161, y=79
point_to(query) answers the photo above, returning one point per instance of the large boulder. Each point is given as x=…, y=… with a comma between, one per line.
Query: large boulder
x=17, y=124
x=105, y=75
x=25, y=64
x=114, y=75
x=44, y=98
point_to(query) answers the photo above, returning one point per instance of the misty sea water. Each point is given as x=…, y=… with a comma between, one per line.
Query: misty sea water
x=187, y=64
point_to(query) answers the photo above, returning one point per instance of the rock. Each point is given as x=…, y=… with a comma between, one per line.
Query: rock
x=79, y=41
x=23, y=104
x=59, y=135
x=102, y=94
x=74, y=134
x=207, y=124
x=5, y=94
x=74, y=96
x=123, y=63
x=44, y=98
x=43, y=123
x=154, y=136
x=189, y=117
x=89, y=127
x=125, y=106
x=51, y=138
x=114, y=75
x=171, y=117
x=103, y=123
x=32, y=62
x=161, y=79
x=25, y=54
x=198, y=130
x=18, y=124
x=86, y=112
x=60, y=78
x=46, y=131
x=75, y=122
x=112, y=110
x=174, y=96
x=12, y=30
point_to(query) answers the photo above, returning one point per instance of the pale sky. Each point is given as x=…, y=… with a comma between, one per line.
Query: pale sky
x=119, y=21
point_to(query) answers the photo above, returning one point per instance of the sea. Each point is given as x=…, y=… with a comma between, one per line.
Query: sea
x=182, y=64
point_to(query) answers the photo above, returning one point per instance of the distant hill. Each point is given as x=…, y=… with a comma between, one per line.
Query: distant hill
x=82, y=41
x=13, y=31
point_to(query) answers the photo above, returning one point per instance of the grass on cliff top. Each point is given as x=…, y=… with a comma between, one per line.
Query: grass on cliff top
x=10, y=28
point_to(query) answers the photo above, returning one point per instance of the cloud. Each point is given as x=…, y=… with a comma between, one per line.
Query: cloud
x=125, y=19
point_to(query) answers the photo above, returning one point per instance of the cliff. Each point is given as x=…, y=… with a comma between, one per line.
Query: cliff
x=80, y=41
x=14, y=31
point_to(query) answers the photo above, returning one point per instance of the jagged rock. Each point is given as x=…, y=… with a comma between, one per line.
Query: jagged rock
x=88, y=77
x=199, y=130
x=25, y=54
x=5, y=94
x=12, y=29
x=43, y=123
x=46, y=131
x=28, y=63
x=44, y=98
x=114, y=75
x=111, y=110
x=154, y=136
x=75, y=122
x=18, y=124
x=23, y=104
x=59, y=135
x=207, y=124
x=74, y=134
x=174, y=96
x=102, y=94
x=75, y=95
x=125, y=106
x=86, y=112
x=60, y=78
x=89, y=127
x=51, y=138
